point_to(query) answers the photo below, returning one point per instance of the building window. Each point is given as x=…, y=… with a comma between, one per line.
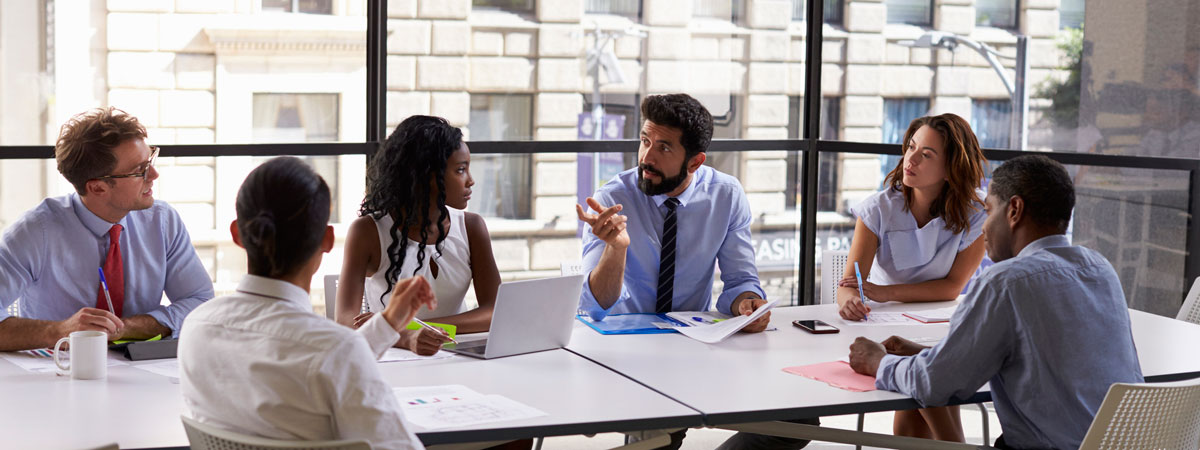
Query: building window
x=831, y=119
x=996, y=13
x=912, y=12
x=506, y=5
x=897, y=114
x=502, y=182
x=832, y=11
x=718, y=9
x=298, y=6
x=300, y=118
x=1070, y=13
x=629, y=8
x=991, y=120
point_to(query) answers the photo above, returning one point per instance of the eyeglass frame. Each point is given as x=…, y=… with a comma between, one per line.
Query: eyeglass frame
x=148, y=165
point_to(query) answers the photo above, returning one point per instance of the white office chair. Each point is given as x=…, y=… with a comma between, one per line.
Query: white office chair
x=206, y=437
x=833, y=266
x=1190, y=312
x=1147, y=416
x=331, y=285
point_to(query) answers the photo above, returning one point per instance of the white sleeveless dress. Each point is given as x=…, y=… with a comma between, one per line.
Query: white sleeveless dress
x=454, y=268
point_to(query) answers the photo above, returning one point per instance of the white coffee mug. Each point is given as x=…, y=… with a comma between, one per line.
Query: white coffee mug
x=89, y=355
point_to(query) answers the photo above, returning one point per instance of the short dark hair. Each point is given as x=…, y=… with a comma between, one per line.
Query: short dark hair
x=1043, y=184
x=283, y=208
x=84, y=150
x=685, y=113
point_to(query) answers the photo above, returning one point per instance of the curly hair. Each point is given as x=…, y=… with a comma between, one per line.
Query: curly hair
x=84, y=150
x=398, y=184
x=964, y=168
x=685, y=113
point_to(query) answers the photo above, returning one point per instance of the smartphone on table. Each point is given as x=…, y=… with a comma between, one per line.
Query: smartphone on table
x=815, y=326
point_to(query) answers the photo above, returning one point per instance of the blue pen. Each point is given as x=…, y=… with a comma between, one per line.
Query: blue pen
x=698, y=319
x=106, y=296
x=858, y=276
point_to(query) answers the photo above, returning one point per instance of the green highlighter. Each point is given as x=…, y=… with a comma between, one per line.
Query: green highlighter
x=126, y=341
x=450, y=330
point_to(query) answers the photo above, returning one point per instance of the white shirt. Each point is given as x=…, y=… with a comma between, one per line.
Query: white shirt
x=454, y=267
x=908, y=253
x=259, y=362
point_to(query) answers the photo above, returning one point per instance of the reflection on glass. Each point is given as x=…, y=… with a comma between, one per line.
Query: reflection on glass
x=507, y=5
x=502, y=182
x=1136, y=218
x=629, y=8
x=298, y=6
x=832, y=9
x=991, y=120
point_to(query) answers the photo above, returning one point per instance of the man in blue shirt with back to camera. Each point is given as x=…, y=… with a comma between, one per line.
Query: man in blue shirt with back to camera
x=52, y=257
x=659, y=230
x=1047, y=325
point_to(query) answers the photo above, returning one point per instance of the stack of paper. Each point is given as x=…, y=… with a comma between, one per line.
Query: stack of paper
x=717, y=332
x=42, y=360
x=933, y=315
x=399, y=354
x=433, y=407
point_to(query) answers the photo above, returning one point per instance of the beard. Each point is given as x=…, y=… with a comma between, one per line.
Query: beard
x=664, y=186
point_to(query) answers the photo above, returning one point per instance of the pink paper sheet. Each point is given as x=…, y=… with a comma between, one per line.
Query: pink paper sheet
x=837, y=374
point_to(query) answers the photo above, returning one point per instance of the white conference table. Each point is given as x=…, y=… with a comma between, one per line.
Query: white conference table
x=741, y=379
x=589, y=389
x=138, y=409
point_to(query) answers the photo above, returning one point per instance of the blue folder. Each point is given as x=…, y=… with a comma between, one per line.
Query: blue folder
x=642, y=323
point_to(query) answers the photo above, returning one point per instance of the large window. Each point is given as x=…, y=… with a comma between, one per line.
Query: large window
x=718, y=9
x=1070, y=13
x=913, y=12
x=507, y=5
x=832, y=9
x=630, y=8
x=992, y=121
x=502, y=182
x=996, y=13
x=298, y=6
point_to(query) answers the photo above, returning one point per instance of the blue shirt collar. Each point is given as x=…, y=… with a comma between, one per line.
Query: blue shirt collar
x=276, y=289
x=687, y=194
x=1054, y=240
x=94, y=223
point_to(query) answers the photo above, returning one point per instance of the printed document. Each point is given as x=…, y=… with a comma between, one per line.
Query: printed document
x=434, y=407
x=717, y=332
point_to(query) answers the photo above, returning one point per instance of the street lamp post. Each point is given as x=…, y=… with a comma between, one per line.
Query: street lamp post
x=1018, y=88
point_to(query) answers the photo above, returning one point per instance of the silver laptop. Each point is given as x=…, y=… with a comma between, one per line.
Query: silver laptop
x=530, y=316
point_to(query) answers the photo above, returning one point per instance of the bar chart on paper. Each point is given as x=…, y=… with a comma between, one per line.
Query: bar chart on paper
x=434, y=407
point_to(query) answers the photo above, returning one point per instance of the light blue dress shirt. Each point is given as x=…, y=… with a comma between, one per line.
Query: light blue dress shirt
x=712, y=227
x=50, y=256
x=908, y=253
x=1048, y=328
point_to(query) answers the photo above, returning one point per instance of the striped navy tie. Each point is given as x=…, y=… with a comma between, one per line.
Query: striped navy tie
x=666, y=262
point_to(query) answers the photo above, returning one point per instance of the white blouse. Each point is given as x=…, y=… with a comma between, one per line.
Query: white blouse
x=454, y=268
x=259, y=362
x=908, y=253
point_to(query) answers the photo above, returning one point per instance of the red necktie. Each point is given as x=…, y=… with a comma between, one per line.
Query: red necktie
x=114, y=274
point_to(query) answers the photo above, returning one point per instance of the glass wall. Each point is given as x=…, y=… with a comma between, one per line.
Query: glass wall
x=236, y=72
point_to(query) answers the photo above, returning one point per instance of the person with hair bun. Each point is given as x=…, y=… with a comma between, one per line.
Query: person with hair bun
x=414, y=223
x=921, y=235
x=259, y=361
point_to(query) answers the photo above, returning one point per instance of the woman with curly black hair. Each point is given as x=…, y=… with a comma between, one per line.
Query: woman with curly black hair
x=413, y=223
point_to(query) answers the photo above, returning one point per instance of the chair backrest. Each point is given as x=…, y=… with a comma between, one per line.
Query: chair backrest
x=833, y=265
x=1190, y=312
x=571, y=268
x=331, y=284
x=1147, y=416
x=207, y=437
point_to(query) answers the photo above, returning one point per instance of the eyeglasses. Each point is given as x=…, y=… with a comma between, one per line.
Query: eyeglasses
x=143, y=170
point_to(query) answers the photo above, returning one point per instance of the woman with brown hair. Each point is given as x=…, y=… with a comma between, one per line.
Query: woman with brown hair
x=921, y=234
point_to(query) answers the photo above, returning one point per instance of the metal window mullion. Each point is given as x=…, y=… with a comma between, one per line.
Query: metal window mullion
x=376, y=71
x=811, y=160
x=1191, y=262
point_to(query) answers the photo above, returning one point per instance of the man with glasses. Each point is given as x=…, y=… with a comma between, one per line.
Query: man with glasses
x=103, y=257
